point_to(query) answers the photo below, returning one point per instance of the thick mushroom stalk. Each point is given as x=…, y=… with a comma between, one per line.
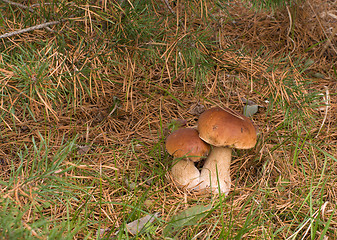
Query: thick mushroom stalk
x=215, y=174
x=185, y=174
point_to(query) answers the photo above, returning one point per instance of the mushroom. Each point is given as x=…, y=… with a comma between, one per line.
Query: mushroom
x=224, y=129
x=185, y=174
x=186, y=147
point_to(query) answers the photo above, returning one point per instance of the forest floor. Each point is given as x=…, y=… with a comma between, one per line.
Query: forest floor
x=87, y=103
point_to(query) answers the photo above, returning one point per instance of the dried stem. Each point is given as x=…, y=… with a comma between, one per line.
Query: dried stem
x=327, y=104
x=43, y=25
x=18, y=5
x=26, y=7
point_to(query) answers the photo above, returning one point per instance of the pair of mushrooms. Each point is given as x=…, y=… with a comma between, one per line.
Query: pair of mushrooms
x=221, y=128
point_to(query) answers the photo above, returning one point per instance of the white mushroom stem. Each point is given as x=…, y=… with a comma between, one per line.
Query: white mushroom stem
x=185, y=174
x=216, y=171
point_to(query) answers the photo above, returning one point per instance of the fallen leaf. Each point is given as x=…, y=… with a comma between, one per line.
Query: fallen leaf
x=250, y=110
x=83, y=149
x=130, y=185
x=187, y=217
x=100, y=232
x=100, y=116
x=176, y=124
x=149, y=203
x=138, y=225
x=197, y=109
x=247, y=101
x=318, y=75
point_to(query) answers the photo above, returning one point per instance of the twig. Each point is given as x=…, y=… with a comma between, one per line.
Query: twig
x=26, y=7
x=171, y=10
x=169, y=7
x=290, y=28
x=39, y=4
x=327, y=104
x=18, y=5
x=43, y=25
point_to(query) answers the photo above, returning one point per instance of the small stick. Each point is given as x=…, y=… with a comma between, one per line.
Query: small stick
x=171, y=10
x=289, y=30
x=43, y=25
x=327, y=104
x=39, y=4
x=26, y=7
x=169, y=7
x=18, y=5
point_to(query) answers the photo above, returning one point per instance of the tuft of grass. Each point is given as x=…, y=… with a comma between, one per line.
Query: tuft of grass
x=36, y=183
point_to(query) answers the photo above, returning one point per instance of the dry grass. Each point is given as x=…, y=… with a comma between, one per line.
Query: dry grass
x=107, y=81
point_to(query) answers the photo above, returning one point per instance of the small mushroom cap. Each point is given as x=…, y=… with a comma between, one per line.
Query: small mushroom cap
x=186, y=142
x=223, y=127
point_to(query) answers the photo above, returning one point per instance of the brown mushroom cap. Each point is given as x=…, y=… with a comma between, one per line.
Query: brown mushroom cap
x=223, y=127
x=186, y=142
